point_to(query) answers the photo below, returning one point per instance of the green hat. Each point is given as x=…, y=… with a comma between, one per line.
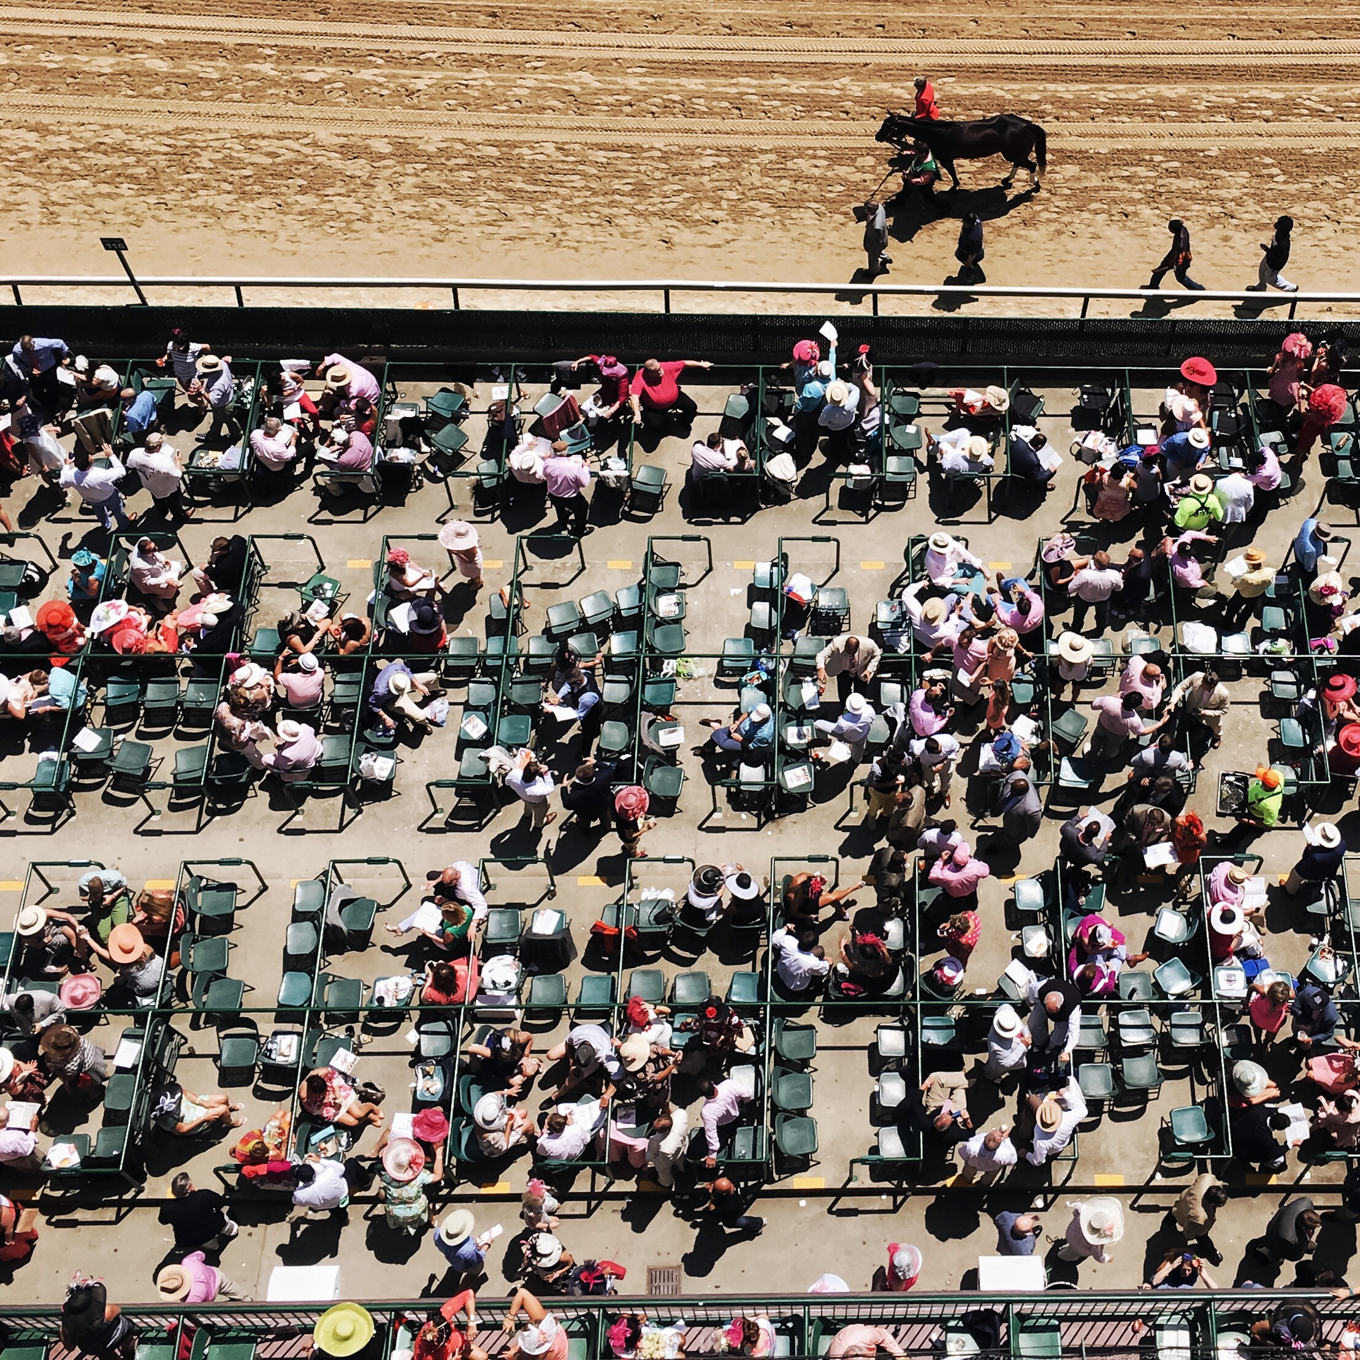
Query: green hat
x=83, y=557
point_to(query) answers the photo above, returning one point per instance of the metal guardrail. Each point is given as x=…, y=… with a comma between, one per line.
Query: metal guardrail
x=667, y=287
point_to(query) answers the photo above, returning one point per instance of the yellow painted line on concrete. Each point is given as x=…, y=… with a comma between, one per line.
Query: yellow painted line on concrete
x=619, y=564
x=497, y=1188
x=493, y=562
x=744, y=566
x=809, y=1182
x=1107, y=1178
x=156, y=884
x=1007, y=879
x=650, y=1187
x=11, y=885
x=998, y=566
x=1260, y=1178
x=359, y=562
x=871, y=566
x=591, y=881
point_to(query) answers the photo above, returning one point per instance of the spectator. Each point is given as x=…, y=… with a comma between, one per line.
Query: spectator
x=1021, y=809
x=1120, y=717
x=751, y=732
x=969, y=251
x=959, y=872
x=1008, y=1044
x=1315, y=1016
x=91, y=1325
x=1016, y=1233
x=296, y=751
x=986, y=1155
x=727, y=1206
x=567, y=476
x=657, y=401
x=853, y=661
x=198, y=1218
x=500, y=1129
x=37, y=360
x=1292, y=1232
x=586, y=795
x=666, y=1145
x=722, y=1105
x=1195, y=1211
x=464, y=1252
x=716, y=455
x=320, y=1185
x=800, y=963
x=1321, y=861
x=98, y=487
x=161, y=471
x=219, y=387
x=936, y=756
x=19, y=1144
x=532, y=783
x=1205, y=700
x=1091, y=588
x=852, y=727
x=193, y=1280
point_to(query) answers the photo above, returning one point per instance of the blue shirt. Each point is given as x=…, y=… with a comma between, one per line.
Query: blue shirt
x=382, y=685
x=756, y=736
x=467, y=1256
x=1181, y=454
x=139, y=416
x=44, y=355
x=809, y=387
x=1007, y=1244
x=1308, y=547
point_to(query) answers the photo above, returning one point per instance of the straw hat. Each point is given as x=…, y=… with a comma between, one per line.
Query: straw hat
x=173, y=1282
x=547, y=1250
x=489, y=1112
x=978, y=448
x=634, y=1052
x=1201, y=484
x=1101, y=1220
x=838, y=392
x=1255, y=556
x=941, y=542
x=934, y=610
x=1238, y=873
x=403, y=1159
x=80, y=991
x=208, y=363
x=1075, y=649
x=1250, y=1078
x=1198, y=438
x=458, y=536
x=30, y=921
x=998, y=399
x=337, y=375
x=1049, y=1114
x=288, y=729
x=6, y=1064
x=400, y=683
x=1327, y=835
x=343, y=1330
x=126, y=944
x=457, y=1227
x=1006, y=1021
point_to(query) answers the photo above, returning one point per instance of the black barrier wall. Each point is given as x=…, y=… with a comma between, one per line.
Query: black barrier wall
x=530, y=335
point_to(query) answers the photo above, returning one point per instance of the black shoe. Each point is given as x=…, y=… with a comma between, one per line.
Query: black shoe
x=1213, y=1256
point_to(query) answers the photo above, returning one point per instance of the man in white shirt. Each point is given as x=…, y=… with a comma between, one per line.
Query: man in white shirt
x=98, y=487
x=666, y=1146
x=1092, y=586
x=934, y=621
x=852, y=660
x=722, y=1105
x=1236, y=495
x=463, y=882
x=964, y=455
x=936, y=756
x=986, y=1155
x=275, y=444
x=162, y=473
x=944, y=558
x=799, y=965
x=852, y=727
x=716, y=454
x=568, y=1131
x=18, y=1144
x=1055, y=1122
x=321, y=1185
x=533, y=785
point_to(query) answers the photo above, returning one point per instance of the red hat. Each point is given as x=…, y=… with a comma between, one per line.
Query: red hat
x=431, y=1125
x=1340, y=686
x=806, y=352
x=54, y=614
x=1328, y=400
x=1199, y=370
x=1348, y=739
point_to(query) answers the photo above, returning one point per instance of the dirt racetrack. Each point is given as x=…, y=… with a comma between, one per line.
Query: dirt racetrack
x=664, y=141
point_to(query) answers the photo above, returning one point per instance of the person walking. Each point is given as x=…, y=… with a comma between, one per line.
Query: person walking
x=1274, y=257
x=1195, y=1211
x=1323, y=854
x=969, y=252
x=567, y=476
x=1096, y=1224
x=876, y=239
x=1176, y=260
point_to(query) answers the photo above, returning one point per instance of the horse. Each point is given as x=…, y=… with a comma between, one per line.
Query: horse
x=1007, y=134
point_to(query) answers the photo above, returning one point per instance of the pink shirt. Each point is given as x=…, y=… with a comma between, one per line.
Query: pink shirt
x=203, y=1278
x=275, y=451
x=361, y=382
x=1114, y=717
x=1011, y=617
x=1222, y=890
x=925, y=721
x=1133, y=681
x=565, y=477
x=301, y=754
x=1268, y=476
x=1184, y=568
x=958, y=880
x=303, y=688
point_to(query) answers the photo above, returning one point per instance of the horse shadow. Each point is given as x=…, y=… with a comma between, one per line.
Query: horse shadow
x=911, y=210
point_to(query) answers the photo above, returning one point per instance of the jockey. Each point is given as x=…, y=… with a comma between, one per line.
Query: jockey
x=924, y=169
x=926, y=107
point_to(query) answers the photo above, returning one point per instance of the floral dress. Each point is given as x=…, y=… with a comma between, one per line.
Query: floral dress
x=405, y=1203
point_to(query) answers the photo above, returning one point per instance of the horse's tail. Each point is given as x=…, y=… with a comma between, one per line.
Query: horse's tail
x=1041, y=148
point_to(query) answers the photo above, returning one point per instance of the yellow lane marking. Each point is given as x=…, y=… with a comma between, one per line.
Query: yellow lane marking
x=591, y=881
x=809, y=1182
x=1008, y=879
x=1107, y=1178
x=744, y=566
x=619, y=564
x=156, y=884
x=11, y=885
x=998, y=566
x=359, y=562
x=498, y=1188
x=1260, y=1178
x=493, y=562
x=871, y=566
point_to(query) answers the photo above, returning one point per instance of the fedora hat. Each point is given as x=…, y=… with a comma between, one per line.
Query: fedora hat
x=1049, y=1114
x=337, y=375
x=126, y=943
x=208, y=363
x=1201, y=484
x=400, y=683
x=941, y=542
x=1238, y=873
x=59, y=1041
x=1199, y=370
x=854, y=703
x=6, y=1064
x=1076, y=649
x=288, y=729
x=1101, y=1220
x=489, y=1112
x=998, y=399
x=634, y=1052
x=1255, y=556
x=173, y=1283
x=1198, y=438
x=838, y=392
x=344, y=1329
x=934, y=610
x=403, y=1159
x=1327, y=835
x=458, y=536
x=457, y=1227
x=308, y=662
x=978, y=448
x=547, y=1250
x=1250, y=1078
x=1006, y=1021
x=30, y=921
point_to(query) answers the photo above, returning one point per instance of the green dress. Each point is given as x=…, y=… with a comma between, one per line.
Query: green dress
x=404, y=1202
x=115, y=911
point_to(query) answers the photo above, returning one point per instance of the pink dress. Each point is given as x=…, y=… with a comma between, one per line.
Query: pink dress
x=1267, y=1016
x=1334, y=1072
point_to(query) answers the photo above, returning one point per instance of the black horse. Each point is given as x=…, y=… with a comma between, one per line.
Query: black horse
x=1006, y=135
